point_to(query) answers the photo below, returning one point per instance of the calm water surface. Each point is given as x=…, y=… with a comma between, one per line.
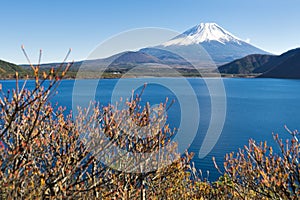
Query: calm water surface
x=255, y=108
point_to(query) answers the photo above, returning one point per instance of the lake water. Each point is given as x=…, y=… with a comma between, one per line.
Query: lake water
x=254, y=107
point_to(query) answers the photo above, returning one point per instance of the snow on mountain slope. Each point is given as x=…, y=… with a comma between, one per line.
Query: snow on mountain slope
x=204, y=32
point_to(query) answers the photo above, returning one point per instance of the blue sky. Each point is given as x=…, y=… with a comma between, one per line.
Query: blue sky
x=55, y=26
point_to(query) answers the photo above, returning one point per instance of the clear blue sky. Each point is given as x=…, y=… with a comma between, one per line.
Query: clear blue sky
x=57, y=25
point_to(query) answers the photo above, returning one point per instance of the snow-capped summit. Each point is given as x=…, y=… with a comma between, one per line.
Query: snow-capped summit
x=219, y=44
x=204, y=32
x=202, y=40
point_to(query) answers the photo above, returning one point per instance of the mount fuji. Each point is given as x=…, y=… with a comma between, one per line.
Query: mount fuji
x=209, y=40
x=203, y=46
x=204, y=32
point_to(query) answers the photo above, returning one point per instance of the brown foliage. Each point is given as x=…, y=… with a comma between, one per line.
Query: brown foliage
x=45, y=153
x=258, y=172
x=121, y=151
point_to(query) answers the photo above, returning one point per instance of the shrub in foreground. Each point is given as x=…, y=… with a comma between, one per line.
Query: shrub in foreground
x=46, y=154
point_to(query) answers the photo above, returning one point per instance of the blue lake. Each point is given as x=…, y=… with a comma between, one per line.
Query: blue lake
x=254, y=107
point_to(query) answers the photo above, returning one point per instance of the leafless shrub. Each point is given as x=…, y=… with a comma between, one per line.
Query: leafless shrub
x=257, y=172
x=44, y=152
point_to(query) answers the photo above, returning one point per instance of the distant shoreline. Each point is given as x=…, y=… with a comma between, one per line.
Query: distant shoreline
x=114, y=76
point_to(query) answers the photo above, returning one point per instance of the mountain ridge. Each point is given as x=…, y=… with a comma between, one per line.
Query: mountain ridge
x=286, y=65
x=8, y=69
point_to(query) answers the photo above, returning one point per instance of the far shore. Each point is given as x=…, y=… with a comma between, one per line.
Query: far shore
x=91, y=75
